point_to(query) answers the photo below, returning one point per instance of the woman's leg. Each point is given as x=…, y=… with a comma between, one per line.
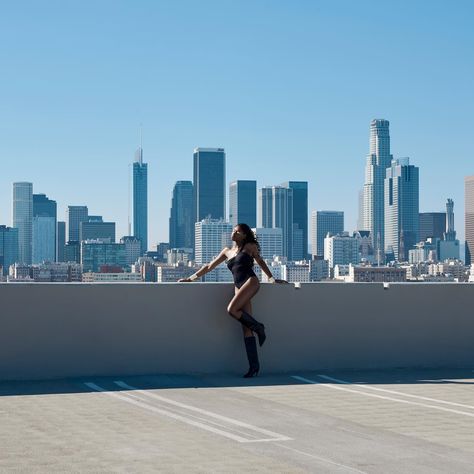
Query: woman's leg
x=248, y=309
x=242, y=297
x=236, y=308
x=250, y=344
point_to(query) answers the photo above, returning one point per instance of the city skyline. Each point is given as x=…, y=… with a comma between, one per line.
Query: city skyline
x=75, y=117
x=139, y=152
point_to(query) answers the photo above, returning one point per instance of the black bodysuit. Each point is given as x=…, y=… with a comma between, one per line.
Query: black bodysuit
x=241, y=267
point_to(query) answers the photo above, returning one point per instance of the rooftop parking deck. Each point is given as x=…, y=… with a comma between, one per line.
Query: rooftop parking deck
x=147, y=378
x=393, y=421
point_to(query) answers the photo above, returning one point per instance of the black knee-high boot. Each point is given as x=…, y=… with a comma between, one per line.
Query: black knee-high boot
x=254, y=325
x=252, y=356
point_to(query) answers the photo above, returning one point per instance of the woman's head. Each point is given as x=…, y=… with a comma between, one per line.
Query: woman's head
x=243, y=234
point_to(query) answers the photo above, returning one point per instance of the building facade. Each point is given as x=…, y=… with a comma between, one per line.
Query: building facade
x=8, y=248
x=401, y=208
x=60, y=240
x=97, y=230
x=44, y=229
x=276, y=211
x=23, y=219
x=181, y=222
x=243, y=203
x=322, y=223
x=140, y=200
x=341, y=249
x=300, y=218
x=209, y=183
x=211, y=235
x=432, y=224
x=75, y=215
x=270, y=240
x=95, y=254
x=469, y=218
x=378, y=160
x=133, y=248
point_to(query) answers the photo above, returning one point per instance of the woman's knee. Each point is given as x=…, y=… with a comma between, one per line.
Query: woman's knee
x=231, y=309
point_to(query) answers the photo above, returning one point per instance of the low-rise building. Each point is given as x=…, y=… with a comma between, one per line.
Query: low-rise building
x=376, y=274
x=173, y=273
x=93, y=277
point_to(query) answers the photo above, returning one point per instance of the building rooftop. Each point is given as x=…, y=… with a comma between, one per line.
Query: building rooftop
x=389, y=421
x=147, y=378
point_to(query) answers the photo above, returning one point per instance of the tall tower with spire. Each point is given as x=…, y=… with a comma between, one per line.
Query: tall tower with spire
x=140, y=199
x=378, y=160
x=450, y=234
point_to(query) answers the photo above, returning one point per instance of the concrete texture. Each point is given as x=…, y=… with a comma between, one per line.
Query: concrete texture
x=72, y=330
x=394, y=421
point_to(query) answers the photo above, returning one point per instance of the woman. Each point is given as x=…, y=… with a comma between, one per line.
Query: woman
x=240, y=260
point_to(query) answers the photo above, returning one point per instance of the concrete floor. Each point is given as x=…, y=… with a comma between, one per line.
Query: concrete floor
x=390, y=421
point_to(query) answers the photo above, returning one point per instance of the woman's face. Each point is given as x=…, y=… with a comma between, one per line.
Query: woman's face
x=237, y=235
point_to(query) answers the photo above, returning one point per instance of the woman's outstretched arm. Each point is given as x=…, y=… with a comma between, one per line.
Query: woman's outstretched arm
x=207, y=268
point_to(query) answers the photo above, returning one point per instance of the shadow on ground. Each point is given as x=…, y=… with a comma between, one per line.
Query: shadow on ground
x=161, y=381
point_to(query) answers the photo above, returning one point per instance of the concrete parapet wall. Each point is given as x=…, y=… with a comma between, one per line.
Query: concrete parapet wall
x=70, y=330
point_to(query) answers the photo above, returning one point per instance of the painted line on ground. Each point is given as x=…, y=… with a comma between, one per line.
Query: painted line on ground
x=373, y=395
x=320, y=458
x=181, y=412
x=271, y=434
x=204, y=424
x=395, y=392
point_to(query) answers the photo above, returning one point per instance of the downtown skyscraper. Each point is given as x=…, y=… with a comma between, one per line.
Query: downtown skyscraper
x=276, y=211
x=22, y=214
x=322, y=223
x=75, y=215
x=300, y=218
x=209, y=183
x=469, y=218
x=44, y=229
x=401, y=208
x=378, y=160
x=181, y=216
x=243, y=203
x=140, y=200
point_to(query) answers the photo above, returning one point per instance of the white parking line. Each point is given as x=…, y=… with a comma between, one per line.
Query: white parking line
x=320, y=458
x=395, y=392
x=205, y=424
x=272, y=435
x=373, y=395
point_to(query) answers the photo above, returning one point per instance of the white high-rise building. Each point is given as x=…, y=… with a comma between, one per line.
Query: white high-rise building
x=378, y=160
x=211, y=236
x=270, y=240
x=341, y=249
x=22, y=219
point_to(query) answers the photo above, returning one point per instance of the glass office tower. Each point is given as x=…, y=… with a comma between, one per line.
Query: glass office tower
x=243, y=202
x=401, y=208
x=209, y=183
x=140, y=200
x=181, y=216
x=23, y=219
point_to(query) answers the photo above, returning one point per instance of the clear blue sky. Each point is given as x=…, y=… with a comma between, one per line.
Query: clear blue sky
x=287, y=87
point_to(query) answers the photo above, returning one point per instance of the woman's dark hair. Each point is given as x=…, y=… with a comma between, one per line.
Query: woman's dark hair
x=250, y=237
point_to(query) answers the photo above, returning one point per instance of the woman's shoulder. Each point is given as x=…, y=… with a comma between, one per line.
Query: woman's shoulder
x=251, y=248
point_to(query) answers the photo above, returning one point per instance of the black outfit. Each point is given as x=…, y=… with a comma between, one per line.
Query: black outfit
x=241, y=266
